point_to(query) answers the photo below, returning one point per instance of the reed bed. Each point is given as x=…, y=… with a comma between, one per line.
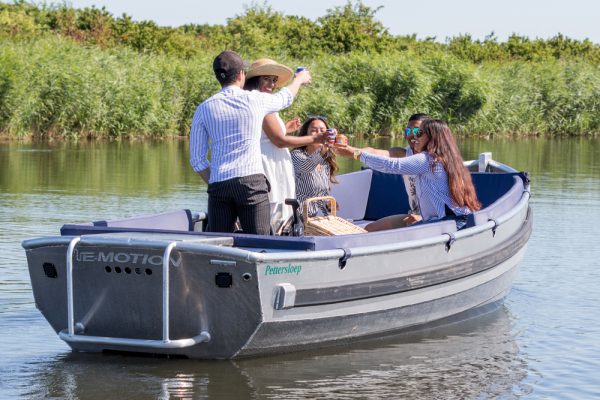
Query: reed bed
x=54, y=86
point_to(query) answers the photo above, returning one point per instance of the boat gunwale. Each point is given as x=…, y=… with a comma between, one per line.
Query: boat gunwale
x=255, y=256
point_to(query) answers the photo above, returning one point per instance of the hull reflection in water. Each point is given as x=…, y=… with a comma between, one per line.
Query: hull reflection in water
x=476, y=357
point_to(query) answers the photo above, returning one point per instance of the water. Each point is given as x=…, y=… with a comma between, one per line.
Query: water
x=543, y=343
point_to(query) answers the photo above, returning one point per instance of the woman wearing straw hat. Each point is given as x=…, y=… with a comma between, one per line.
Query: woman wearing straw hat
x=265, y=75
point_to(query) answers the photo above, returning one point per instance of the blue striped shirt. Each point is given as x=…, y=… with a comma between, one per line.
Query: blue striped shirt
x=432, y=187
x=231, y=121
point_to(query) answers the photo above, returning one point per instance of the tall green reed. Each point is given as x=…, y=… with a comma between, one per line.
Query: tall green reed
x=55, y=86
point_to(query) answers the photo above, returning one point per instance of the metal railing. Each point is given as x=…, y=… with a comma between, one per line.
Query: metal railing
x=70, y=336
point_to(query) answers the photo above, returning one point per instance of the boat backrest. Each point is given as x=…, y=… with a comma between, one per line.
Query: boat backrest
x=351, y=193
x=176, y=220
x=305, y=243
x=342, y=241
x=387, y=196
x=497, y=193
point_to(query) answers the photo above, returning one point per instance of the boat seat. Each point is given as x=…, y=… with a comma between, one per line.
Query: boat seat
x=491, y=187
x=305, y=243
x=177, y=220
x=352, y=193
x=502, y=190
x=387, y=196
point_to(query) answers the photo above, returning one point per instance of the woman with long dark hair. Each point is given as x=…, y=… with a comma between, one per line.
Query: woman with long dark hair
x=444, y=186
x=314, y=165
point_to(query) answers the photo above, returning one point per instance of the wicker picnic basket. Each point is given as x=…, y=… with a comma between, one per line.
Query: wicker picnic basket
x=327, y=225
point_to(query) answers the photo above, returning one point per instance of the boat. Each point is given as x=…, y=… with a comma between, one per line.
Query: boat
x=159, y=284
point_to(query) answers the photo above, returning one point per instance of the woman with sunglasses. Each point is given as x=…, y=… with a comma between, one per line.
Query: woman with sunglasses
x=444, y=186
x=314, y=165
x=265, y=75
x=414, y=214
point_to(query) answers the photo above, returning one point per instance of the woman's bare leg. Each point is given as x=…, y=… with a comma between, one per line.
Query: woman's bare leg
x=389, y=222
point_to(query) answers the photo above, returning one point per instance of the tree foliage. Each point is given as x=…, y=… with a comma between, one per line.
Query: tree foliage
x=79, y=72
x=261, y=30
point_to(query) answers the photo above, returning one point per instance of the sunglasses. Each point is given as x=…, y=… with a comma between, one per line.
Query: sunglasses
x=412, y=131
x=313, y=116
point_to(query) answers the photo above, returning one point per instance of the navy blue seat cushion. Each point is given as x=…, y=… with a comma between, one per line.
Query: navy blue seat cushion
x=502, y=204
x=490, y=187
x=387, y=196
x=239, y=239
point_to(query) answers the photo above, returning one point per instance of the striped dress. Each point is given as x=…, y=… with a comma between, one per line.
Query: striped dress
x=311, y=172
x=432, y=187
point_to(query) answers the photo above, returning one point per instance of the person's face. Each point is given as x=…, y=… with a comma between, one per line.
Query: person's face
x=411, y=125
x=316, y=126
x=267, y=83
x=419, y=143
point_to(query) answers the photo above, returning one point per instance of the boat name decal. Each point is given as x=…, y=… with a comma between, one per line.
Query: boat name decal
x=123, y=258
x=282, y=269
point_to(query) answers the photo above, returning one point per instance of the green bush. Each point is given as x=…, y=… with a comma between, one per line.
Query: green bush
x=260, y=30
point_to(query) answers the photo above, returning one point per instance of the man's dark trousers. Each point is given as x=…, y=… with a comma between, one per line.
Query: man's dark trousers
x=246, y=198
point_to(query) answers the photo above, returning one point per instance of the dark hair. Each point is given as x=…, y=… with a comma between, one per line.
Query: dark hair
x=226, y=66
x=418, y=117
x=442, y=147
x=252, y=83
x=333, y=167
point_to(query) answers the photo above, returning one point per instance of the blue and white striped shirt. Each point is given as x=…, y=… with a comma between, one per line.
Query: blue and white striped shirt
x=432, y=187
x=232, y=121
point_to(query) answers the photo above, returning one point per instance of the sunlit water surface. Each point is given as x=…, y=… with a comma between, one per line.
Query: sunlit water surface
x=544, y=342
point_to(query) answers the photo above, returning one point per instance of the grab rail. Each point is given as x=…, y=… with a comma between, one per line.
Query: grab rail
x=70, y=336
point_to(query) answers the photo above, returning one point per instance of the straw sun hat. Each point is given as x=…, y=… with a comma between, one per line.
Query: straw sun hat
x=268, y=67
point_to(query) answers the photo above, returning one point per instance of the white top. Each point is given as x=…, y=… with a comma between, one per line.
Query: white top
x=232, y=121
x=433, y=192
x=279, y=170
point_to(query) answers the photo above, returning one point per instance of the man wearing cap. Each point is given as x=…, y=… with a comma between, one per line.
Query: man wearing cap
x=230, y=123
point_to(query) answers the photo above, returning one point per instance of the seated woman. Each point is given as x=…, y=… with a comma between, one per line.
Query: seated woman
x=314, y=166
x=266, y=75
x=444, y=186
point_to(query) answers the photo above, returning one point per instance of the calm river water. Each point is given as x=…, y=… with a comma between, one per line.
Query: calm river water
x=544, y=343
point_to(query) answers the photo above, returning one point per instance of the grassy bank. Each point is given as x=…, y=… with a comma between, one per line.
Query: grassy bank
x=79, y=73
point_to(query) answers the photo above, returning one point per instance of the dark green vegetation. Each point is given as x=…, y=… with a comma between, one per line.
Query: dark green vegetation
x=68, y=72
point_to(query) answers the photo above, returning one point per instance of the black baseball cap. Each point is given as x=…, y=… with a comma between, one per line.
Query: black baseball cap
x=228, y=64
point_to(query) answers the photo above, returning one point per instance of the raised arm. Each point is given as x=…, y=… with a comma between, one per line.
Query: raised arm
x=271, y=103
x=272, y=129
x=392, y=152
x=301, y=78
x=413, y=165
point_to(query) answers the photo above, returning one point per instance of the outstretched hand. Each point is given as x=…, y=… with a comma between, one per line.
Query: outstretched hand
x=344, y=150
x=292, y=125
x=321, y=137
x=303, y=77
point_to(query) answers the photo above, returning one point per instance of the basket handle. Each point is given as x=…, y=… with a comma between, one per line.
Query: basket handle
x=307, y=202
